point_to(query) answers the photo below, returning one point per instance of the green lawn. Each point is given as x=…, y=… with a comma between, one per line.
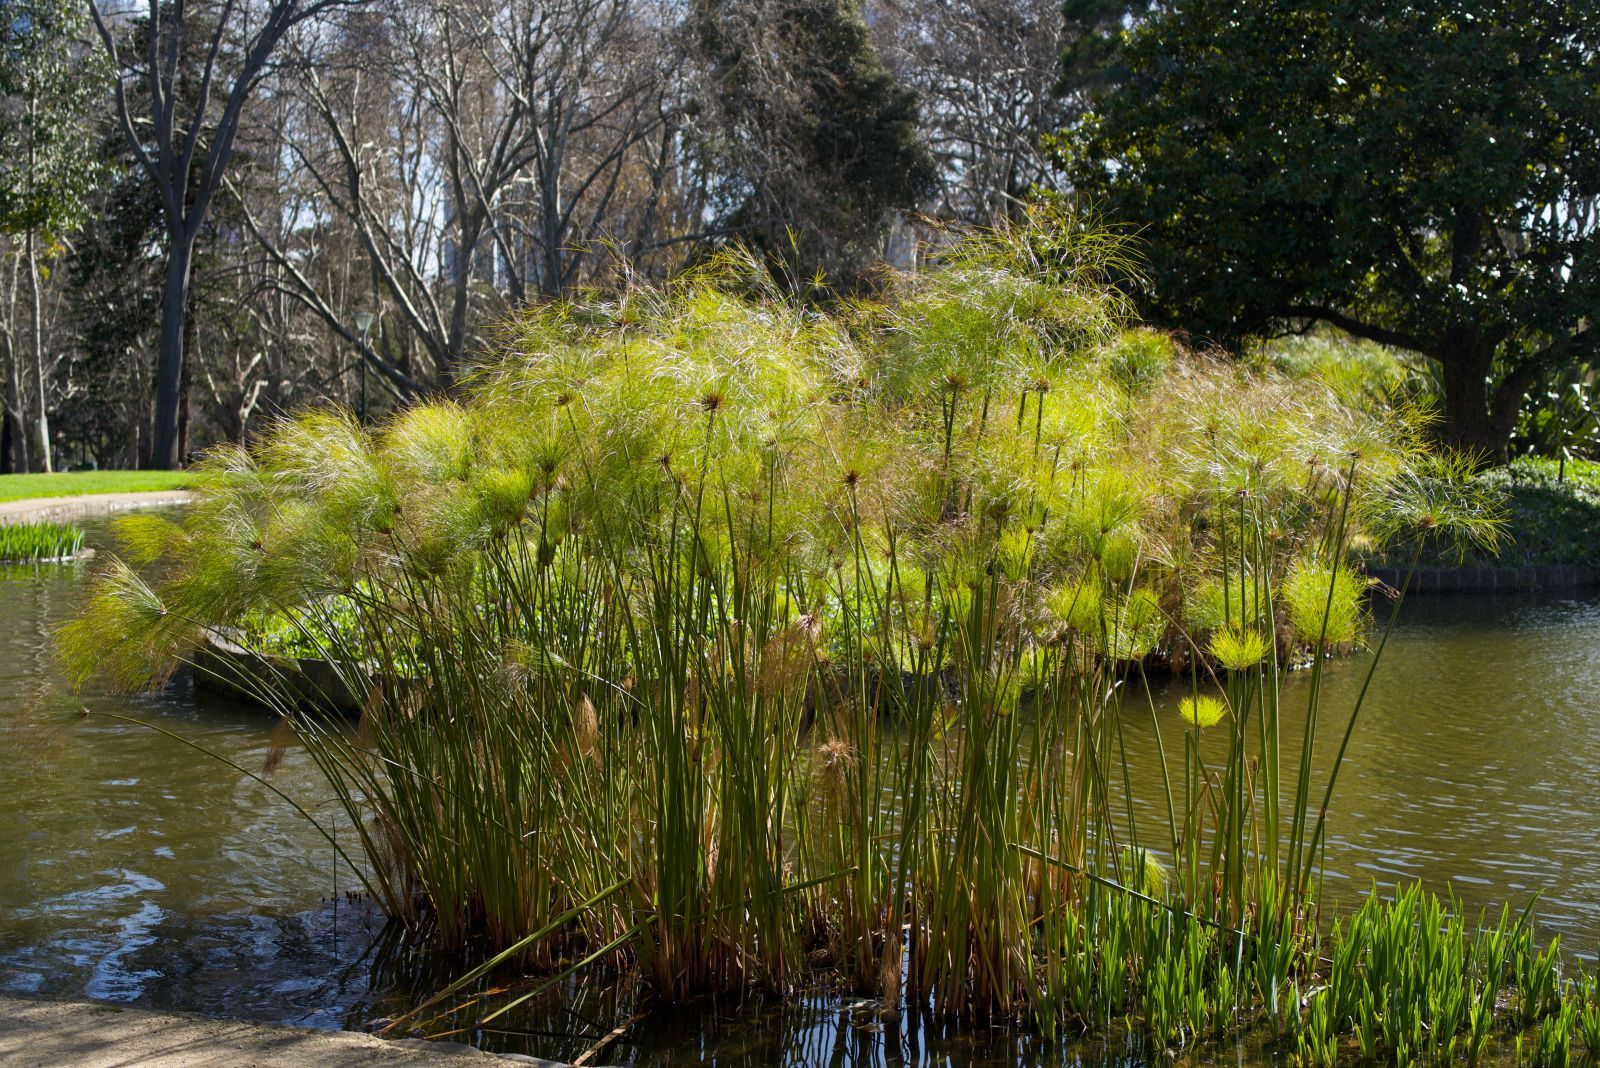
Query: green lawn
x=80, y=483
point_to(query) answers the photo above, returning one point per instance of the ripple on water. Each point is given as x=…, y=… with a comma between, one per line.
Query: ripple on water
x=112, y=979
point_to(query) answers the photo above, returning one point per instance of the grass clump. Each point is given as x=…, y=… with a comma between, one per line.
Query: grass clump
x=716, y=639
x=39, y=542
x=1415, y=980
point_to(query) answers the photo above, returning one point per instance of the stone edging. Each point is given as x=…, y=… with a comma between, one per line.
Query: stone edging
x=58, y=509
x=1491, y=579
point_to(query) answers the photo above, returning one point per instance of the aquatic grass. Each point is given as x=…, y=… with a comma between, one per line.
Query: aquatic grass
x=1414, y=980
x=714, y=639
x=39, y=542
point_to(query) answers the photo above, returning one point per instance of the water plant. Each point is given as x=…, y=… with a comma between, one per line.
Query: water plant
x=37, y=541
x=720, y=639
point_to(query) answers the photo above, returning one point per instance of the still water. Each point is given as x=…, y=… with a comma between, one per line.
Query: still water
x=135, y=869
x=1475, y=763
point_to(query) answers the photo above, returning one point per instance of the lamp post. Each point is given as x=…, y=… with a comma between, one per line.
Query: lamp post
x=363, y=324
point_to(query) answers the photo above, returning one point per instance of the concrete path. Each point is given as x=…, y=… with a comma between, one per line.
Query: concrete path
x=87, y=1034
x=60, y=509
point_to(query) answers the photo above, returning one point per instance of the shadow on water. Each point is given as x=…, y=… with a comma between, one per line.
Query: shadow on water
x=135, y=870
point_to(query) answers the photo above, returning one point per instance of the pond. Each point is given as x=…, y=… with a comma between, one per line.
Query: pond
x=136, y=869
x=1475, y=764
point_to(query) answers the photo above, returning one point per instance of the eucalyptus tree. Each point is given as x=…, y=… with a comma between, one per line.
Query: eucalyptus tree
x=195, y=65
x=1423, y=174
x=47, y=166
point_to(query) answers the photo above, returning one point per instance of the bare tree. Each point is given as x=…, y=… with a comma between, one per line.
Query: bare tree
x=590, y=87
x=435, y=163
x=478, y=152
x=986, y=74
x=195, y=66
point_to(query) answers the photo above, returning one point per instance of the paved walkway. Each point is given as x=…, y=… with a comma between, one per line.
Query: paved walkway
x=60, y=509
x=86, y=1034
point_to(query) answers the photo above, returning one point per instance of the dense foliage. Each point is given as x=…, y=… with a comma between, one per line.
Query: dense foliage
x=1552, y=513
x=1421, y=174
x=47, y=163
x=47, y=168
x=713, y=636
x=815, y=141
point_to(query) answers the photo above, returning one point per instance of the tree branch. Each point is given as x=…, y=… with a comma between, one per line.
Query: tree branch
x=1382, y=335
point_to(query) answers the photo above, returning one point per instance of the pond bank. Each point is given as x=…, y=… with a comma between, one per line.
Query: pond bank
x=1490, y=579
x=1551, y=536
x=86, y=1034
x=57, y=509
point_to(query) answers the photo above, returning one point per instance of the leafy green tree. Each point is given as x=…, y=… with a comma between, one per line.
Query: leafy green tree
x=810, y=140
x=48, y=84
x=1092, y=60
x=1421, y=173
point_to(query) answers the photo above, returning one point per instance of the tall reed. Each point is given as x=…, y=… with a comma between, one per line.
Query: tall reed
x=715, y=636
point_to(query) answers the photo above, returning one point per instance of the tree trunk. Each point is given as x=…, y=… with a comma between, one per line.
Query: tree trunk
x=191, y=353
x=169, y=359
x=46, y=462
x=1468, y=422
x=471, y=233
x=15, y=430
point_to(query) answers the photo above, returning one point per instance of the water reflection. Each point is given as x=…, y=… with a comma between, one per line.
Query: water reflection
x=124, y=848
x=1476, y=763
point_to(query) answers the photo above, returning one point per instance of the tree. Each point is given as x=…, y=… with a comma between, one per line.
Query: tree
x=984, y=73
x=478, y=152
x=809, y=142
x=1421, y=173
x=1092, y=60
x=198, y=64
x=47, y=165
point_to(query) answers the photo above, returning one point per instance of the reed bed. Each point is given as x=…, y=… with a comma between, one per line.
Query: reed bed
x=39, y=542
x=715, y=639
